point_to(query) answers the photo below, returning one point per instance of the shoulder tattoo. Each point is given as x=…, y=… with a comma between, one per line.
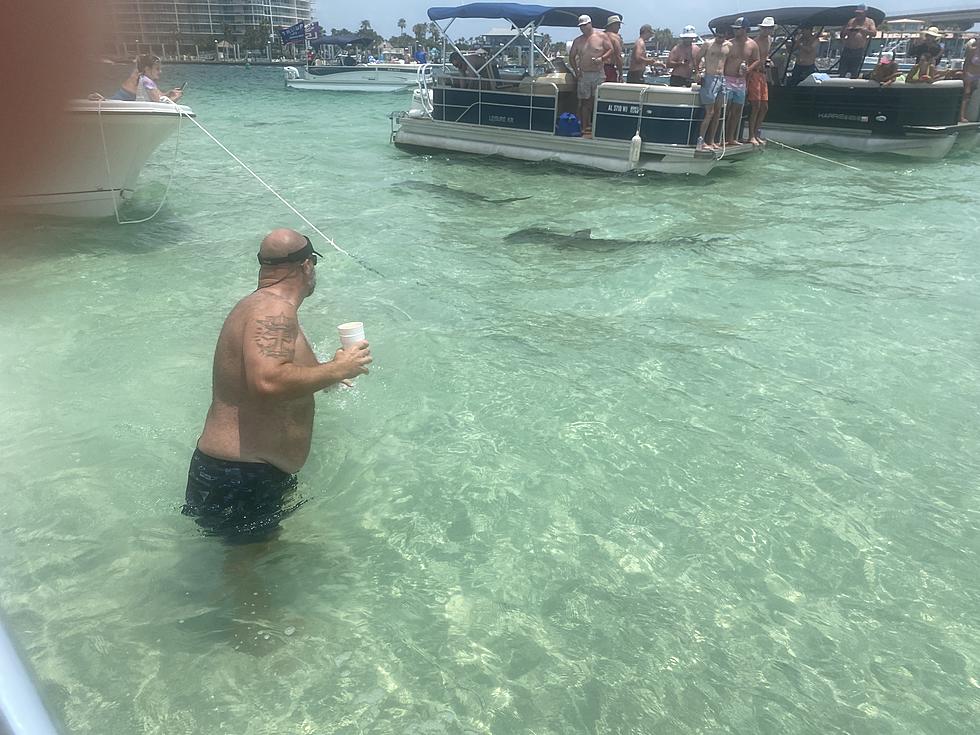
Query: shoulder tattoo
x=276, y=336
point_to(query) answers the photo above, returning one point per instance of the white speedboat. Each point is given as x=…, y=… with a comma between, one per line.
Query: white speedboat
x=93, y=165
x=376, y=77
x=636, y=127
x=915, y=120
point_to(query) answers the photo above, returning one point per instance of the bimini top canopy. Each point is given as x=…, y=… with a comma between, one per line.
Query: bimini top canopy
x=343, y=40
x=523, y=15
x=797, y=16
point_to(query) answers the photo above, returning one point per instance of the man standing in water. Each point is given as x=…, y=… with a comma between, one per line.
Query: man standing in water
x=712, y=95
x=613, y=69
x=855, y=35
x=260, y=424
x=586, y=58
x=744, y=52
x=638, y=59
x=758, y=80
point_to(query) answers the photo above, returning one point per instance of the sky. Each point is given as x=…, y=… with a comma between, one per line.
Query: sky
x=384, y=14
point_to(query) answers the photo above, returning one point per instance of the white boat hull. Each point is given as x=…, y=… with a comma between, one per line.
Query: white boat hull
x=928, y=146
x=525, y=145
x=361, y=78
x=81, y=177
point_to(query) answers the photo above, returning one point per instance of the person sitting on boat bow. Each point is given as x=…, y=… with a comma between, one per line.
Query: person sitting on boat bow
x=147, y=90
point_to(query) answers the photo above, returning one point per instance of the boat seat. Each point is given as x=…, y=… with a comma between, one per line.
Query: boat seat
x=542, y=84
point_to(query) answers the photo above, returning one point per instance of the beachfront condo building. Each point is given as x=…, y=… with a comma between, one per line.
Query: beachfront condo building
x=182, y=27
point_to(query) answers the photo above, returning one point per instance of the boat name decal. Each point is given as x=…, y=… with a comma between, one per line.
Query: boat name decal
x=842, y=116
x=500, y=119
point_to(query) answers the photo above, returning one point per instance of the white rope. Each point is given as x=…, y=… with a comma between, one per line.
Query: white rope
x=814, y=155
x=108, y=171
x=275, y=193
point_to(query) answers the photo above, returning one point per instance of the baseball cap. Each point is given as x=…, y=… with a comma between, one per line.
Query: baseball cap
x=741, y=22
x=612, y=19
x=688, y=32
x=768, y=22
x=860, y=8
x=584, y=19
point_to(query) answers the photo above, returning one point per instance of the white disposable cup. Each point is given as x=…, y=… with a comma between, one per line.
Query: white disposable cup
x=350, y=333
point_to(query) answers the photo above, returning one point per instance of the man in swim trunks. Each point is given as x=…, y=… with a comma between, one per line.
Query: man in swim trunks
x=855, y=35
x=714, y=55
x=589, y=53
x=757, y=80
x=259, y=427
x=807, y=46
x=744, y=52
x=614, y=69
x=638, y=59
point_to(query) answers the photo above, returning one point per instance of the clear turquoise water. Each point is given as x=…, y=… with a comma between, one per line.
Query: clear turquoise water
x=723, y=481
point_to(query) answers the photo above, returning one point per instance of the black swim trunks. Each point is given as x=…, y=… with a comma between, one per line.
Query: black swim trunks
x=241, y=501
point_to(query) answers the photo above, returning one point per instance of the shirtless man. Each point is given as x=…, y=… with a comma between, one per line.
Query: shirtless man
x=712, y=93
x=586, y=58
x=681, y=58
x=260, y=424
x=971, y=75
x=758, y=80
x=614, y=69
x=855, y=35
x=806, y=54
x=744, y=52
x=638, y=59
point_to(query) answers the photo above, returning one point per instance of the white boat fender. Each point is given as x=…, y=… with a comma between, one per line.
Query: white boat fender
x=291, y=72
x=635, y=145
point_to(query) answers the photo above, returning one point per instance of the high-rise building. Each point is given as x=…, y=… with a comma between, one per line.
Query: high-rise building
x=177, y=26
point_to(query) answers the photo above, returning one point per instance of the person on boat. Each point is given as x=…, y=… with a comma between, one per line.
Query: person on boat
x=259, y=428
x=586, y=58
x=855, y=35
x=128, y=89
x=930, y=42
x=149, y=74
x=638, y=58
x=681, y=58
x=712, y=95
x=757, y=80
x=807, y=46
x=744, y=52
x=469, y=76
x=971, y=75
x=886, y=71
x=924, y=71
x=419, y=55
x=614, y=68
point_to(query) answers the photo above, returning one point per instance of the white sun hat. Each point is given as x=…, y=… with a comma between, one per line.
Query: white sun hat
x=584, y=20
x=688, y=32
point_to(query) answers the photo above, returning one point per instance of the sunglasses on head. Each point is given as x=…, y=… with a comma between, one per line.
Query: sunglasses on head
x=297, y=256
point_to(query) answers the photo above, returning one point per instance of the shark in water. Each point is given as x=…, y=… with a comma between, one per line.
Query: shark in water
x=583, y=240
x=462, y=194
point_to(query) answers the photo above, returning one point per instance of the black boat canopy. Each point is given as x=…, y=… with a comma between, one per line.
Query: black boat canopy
x=343, y=40
x=522, y=15
x=797, y=16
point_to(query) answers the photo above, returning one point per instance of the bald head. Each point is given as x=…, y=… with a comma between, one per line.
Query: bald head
x=281, y=242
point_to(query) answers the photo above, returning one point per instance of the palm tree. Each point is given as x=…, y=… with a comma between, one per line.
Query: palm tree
x=418, y=30
x=401, y=24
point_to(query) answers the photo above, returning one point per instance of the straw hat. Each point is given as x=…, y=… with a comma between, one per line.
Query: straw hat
x=933, y=32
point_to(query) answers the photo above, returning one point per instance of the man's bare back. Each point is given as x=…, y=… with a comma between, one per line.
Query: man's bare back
x=242, y=423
